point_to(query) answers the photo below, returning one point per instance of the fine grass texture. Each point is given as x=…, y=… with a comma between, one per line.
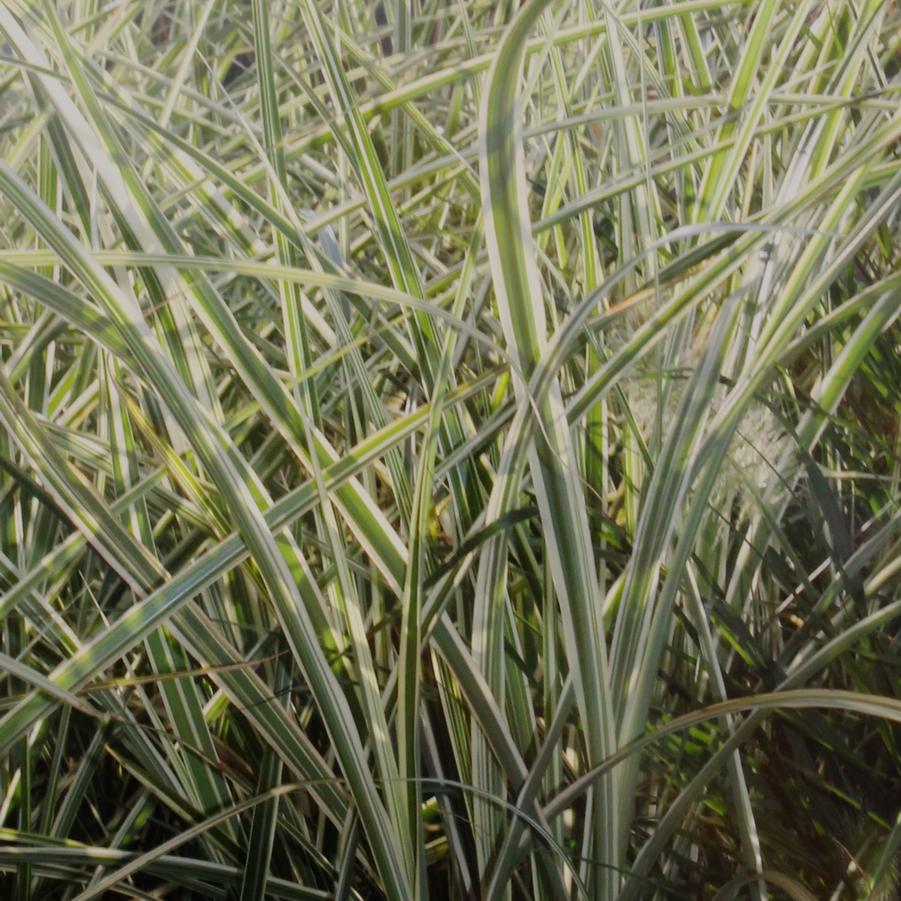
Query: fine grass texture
x=450, y=449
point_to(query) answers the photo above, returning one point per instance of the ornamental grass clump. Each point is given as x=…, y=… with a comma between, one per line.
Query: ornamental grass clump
x=449, y=449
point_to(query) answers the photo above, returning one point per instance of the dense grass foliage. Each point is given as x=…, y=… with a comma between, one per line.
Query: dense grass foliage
x=450, y=449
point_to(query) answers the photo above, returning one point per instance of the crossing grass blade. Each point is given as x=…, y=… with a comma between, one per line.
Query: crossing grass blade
x=553, y=465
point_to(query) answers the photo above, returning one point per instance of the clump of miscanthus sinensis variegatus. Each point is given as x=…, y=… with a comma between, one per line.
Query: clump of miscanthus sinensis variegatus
x=449, y=450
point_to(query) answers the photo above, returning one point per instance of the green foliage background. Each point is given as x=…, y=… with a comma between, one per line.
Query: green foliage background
x=449, y=449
